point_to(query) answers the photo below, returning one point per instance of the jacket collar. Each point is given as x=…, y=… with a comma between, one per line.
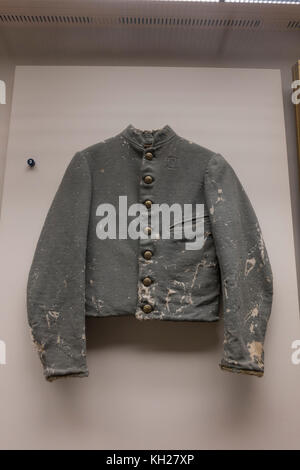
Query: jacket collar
x=148, y=138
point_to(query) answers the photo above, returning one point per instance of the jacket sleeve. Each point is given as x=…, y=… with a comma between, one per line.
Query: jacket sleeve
x=56, y=281
x=246, y=275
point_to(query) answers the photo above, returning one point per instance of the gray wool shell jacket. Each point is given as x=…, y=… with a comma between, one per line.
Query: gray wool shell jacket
x=75, y=273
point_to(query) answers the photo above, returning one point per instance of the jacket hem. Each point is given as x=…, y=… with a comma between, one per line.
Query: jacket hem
x=156, y=315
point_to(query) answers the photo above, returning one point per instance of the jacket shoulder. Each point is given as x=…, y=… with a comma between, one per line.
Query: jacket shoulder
x=197, y=149
x=96, y=151
x=93, y=149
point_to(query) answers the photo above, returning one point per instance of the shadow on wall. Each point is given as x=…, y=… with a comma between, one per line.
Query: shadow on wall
x=232, y=393
x=229, y=398
x=156, y=335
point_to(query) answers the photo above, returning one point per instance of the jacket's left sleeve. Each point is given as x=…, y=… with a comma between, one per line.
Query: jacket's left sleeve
x=56, y=282
x=246, y=275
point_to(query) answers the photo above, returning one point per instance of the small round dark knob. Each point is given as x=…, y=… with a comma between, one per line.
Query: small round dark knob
x=147, y=281
x=148, y=179
x=148, y=254
x=31, y=162
x=148, y=203
x=147, y=308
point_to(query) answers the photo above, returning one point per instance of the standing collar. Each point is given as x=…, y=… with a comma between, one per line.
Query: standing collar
x=149, y=138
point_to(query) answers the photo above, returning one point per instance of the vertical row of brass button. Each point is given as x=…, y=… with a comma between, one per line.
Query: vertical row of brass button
x=147, y=281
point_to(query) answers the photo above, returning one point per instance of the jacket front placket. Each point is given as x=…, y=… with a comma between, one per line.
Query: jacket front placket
x=146, y=307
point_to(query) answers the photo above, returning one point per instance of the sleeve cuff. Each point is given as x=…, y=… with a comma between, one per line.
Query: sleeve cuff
x=54, y=374
x=242, y=371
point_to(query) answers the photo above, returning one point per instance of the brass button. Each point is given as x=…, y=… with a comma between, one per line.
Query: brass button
x=149, y=155
x=148, y=254
x=147, y=281
x=148, y=203
x=148, y=179
x=148, y=230
x=147, y=308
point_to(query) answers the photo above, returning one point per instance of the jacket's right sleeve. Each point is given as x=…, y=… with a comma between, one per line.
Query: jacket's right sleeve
x=246, y=274
x=56, y=282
